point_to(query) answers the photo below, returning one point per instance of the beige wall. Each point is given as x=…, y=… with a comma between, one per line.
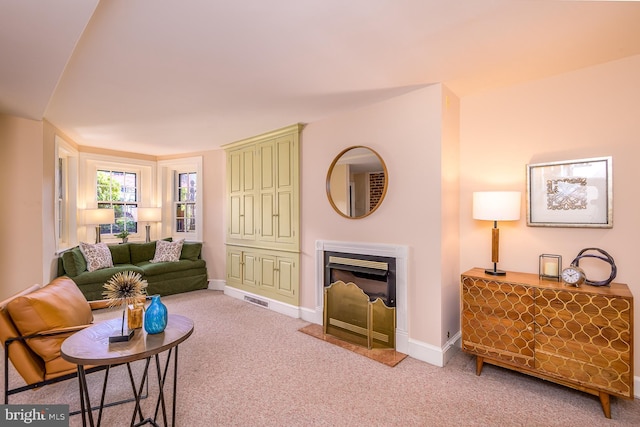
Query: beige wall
x=450, y=209
x=49, y=256
x=407, y=133
x=21, y=217
x=587, y=113
x=214, y=234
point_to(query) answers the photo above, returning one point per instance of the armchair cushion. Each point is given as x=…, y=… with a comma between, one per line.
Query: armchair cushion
x=58, y=305
x=29, y=365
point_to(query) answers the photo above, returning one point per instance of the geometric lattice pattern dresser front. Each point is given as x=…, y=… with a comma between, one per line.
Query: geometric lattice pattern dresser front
x=578, y=337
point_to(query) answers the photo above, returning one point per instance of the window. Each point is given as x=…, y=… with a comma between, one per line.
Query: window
x=66, y=183
x=121, y=183
x=180, y=185
x=61, y=199
x=118, y=190
x=186, y=202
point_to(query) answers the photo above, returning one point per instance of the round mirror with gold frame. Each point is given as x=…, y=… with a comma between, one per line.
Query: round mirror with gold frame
x=357, y=182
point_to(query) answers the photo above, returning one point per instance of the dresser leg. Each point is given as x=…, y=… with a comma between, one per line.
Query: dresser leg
x=606, y=404
x=479, y=362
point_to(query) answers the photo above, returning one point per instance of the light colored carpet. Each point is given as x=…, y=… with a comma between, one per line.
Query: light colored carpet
x=247, y=366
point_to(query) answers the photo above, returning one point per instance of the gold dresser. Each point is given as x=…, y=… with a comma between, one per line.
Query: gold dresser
x=580, y=337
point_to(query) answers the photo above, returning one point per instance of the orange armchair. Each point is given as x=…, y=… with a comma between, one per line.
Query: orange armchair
x=33, y=325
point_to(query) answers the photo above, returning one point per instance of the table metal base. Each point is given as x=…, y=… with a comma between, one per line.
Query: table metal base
x=85, y=402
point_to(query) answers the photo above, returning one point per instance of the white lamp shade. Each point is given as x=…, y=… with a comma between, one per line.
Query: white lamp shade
x=149, y=214
x=99, y=216
x=496, y=205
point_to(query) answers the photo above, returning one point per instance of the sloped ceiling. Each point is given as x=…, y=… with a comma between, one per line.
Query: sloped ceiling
x=165, y=77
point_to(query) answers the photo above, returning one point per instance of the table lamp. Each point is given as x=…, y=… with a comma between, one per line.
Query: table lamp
x=496, y=206
x=149, y=215
x=99, y=216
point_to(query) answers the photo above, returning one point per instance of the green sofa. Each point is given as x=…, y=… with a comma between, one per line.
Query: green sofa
x=164, y=278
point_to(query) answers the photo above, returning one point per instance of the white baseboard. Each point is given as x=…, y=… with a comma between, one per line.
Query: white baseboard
x=312, y=316
x=216, y=284
x=416, y=349
x=277, y=306
x=432, y=354
x=438, y=356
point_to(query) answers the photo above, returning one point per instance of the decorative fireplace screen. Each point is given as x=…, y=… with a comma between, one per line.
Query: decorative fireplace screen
x=359, y=299
x=351, y=316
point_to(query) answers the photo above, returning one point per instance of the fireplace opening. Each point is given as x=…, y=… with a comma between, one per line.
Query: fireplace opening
x=375, y=275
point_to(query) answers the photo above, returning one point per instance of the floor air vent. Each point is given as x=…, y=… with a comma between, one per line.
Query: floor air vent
x=257, y=301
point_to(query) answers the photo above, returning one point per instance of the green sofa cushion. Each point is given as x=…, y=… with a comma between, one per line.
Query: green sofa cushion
x=161, y=268
x=120, y=253
x=69, y=263
x=74, y=262
x=104, y=274
x=191, y=251
x=141, y=252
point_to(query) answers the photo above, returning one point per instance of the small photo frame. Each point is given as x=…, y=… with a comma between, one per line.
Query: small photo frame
x=572, y=193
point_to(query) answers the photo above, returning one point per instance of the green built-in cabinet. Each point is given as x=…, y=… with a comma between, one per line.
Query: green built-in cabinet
x=263, y=214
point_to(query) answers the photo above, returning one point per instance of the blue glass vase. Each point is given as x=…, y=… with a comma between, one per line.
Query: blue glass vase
x=155, y=318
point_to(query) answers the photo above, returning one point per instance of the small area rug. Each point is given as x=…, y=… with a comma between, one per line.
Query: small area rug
x=387, y=356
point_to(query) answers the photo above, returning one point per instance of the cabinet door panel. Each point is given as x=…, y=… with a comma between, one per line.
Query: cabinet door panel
x=235, y=224
x=266, y=166
x=235, y=172
x=286, y=276
x=241, y=189
x=234, y=266
x=267, y=232
x=250, y=270
x=284, y=217
x=497, y=320
x=585, y=338
x=247, y=218
x=248, y=177
x=268, y=272
x=284, y=147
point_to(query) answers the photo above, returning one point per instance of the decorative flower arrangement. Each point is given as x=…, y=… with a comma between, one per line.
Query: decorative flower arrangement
x=124, y=288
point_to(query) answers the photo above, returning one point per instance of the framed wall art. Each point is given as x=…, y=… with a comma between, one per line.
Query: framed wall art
x=572, y=193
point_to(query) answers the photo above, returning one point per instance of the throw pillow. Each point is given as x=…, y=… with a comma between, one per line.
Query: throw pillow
x=168, y=251
x=69, y=264
x=97, y=255
x=120, y=253
x=81, y=263
x=191, y=251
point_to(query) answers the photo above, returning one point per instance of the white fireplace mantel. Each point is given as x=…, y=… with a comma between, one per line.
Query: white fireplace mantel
x=399, y=252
